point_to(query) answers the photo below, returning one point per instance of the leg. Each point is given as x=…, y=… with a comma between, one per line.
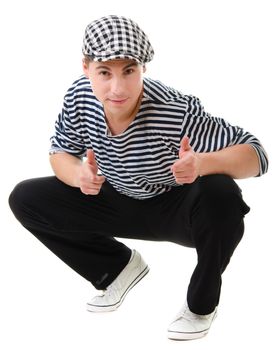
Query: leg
x=215, y=217
x=217, y=228
x=75, y=227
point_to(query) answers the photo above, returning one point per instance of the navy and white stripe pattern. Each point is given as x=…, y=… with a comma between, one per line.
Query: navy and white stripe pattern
x=137, y=162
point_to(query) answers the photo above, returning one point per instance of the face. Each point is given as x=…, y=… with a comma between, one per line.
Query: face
x=117, y=84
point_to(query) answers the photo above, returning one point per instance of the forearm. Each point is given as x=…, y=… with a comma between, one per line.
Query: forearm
x=66, y=168
x=239, y=161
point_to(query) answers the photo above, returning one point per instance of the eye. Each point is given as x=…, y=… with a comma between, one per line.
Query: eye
x=104, y=73
x=129, y=71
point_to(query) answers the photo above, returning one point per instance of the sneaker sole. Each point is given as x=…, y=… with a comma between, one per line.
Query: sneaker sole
x=113, y=307
x=186, y=336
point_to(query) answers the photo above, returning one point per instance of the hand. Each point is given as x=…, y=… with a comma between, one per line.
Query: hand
x=90, y=182
x=186, y=168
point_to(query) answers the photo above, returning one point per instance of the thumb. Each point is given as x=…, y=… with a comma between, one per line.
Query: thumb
x=185, y=144
x=91, y=159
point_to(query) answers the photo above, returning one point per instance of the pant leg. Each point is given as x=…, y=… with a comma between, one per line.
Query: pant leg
x=78, y=228
x=208, y=216
x=217, y=228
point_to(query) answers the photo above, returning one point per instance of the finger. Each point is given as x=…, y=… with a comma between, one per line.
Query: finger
x=99, y=179
x=178, y=168
x=91, y=157
x=92, y=192
x=185, y=180
x=91, y=189
x=180, y=165
x=91, y=161
x=185, y=144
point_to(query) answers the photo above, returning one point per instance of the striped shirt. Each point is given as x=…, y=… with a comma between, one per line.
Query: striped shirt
x=137, y=162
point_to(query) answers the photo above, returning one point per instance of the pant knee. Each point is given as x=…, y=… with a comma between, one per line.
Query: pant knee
x=17, y=198
x=221, y=198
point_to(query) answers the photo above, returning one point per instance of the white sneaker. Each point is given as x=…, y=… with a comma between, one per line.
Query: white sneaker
x=188, y=325
x=114, y=294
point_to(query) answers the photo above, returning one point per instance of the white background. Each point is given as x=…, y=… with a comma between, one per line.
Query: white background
x=224, y=52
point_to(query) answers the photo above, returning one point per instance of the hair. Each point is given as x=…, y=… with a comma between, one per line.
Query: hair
x=87, y=59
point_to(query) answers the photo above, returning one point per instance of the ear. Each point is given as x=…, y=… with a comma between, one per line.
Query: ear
x=85, y=68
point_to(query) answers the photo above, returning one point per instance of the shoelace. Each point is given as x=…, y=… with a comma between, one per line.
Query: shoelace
x=111, y=289
x=186, y=314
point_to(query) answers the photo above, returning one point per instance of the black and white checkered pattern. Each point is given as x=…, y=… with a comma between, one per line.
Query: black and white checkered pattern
x=116, y=37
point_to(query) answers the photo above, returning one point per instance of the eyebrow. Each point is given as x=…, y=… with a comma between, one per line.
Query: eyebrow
x=132, y=64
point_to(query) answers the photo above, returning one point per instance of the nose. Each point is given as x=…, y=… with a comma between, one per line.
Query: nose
x=117, y=87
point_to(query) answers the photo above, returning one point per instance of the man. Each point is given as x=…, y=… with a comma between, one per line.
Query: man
x=158, y=167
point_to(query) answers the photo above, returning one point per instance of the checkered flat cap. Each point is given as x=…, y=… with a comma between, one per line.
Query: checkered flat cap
x=116, y=37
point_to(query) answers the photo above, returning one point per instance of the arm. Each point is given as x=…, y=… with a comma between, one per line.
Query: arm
x=220, y=147
x=238, y=161
x=66, y=168
x=68, y=147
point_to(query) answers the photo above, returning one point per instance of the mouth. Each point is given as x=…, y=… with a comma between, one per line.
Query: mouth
x=118, y=101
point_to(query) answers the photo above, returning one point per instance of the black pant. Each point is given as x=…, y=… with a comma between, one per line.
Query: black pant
x=80, y=229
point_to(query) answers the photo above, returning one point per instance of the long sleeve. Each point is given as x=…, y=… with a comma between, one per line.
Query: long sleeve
x=209, y=134
x=68, y=129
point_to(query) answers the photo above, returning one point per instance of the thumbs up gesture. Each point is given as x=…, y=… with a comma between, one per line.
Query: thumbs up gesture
x=186, y=168
x=90, y=182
